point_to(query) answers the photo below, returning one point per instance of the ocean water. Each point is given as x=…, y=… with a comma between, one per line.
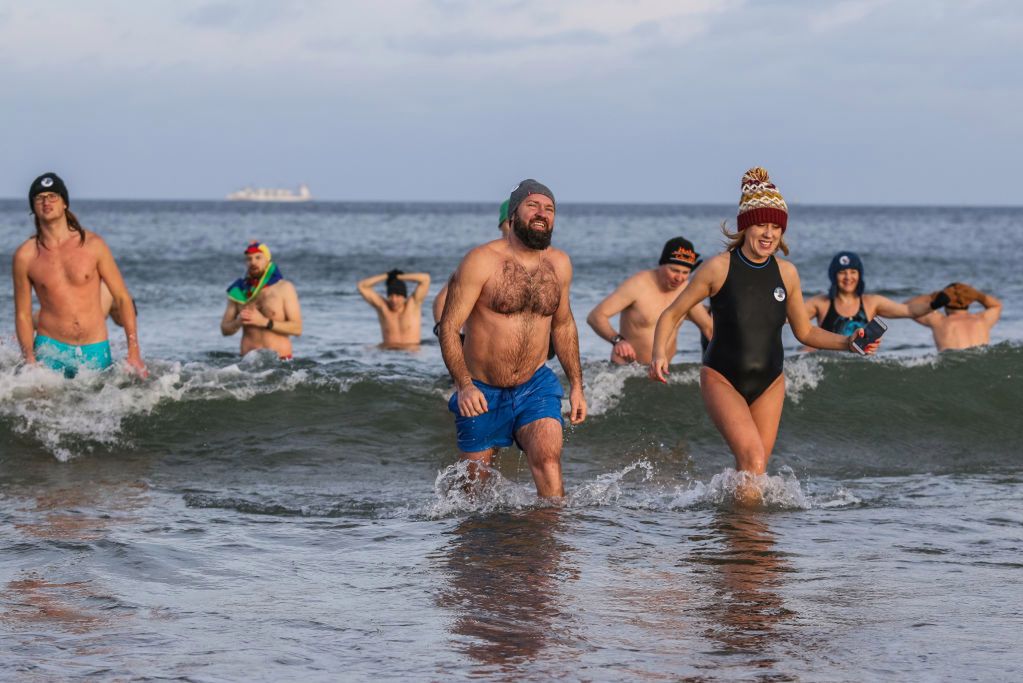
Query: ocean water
x=245, y=519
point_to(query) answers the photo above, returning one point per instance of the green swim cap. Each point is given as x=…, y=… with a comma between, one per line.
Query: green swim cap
x=503, y=216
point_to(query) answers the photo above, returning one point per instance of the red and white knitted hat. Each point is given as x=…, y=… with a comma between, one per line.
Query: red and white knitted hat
x=761, y=202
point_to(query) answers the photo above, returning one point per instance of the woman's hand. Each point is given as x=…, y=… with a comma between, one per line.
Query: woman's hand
x=870, y=349
x=659, y=369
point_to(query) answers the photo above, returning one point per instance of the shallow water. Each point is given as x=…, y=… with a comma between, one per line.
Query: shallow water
x=233, y=519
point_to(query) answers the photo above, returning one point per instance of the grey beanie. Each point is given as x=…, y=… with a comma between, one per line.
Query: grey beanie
x=524, y=189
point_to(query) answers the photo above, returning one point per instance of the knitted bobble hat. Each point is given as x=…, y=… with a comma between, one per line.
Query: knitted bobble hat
x=761, y=202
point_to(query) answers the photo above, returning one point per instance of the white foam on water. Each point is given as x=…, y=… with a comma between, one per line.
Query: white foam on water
x=802, y=373
x=606, y=489
x=70, y=417
x=633, y=487
x=837, y=498
x=780, y=491
x=605, y=384
x=453, y=495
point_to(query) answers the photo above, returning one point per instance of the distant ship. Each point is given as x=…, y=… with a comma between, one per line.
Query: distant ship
x=270, y=194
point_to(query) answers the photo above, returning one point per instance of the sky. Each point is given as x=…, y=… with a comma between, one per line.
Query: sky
x=650, y=101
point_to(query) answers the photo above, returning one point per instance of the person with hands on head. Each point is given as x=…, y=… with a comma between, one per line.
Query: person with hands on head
x=752, y=294
x=640, y=301
x=263, y=305
x=511, y=296
x=400, y=315
x=958, y=328
x=845, y=308
x=67, y=266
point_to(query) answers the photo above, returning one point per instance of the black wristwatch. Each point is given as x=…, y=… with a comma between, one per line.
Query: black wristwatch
x=269, y=324
x=617, y=338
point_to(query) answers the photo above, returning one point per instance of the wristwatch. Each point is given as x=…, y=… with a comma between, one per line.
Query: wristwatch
x=269, y=324
x=617, y=338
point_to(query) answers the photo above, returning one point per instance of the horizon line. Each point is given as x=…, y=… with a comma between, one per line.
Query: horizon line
x=566, y=203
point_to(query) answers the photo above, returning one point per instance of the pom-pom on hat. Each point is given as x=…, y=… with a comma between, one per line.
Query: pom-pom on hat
x=761, y=202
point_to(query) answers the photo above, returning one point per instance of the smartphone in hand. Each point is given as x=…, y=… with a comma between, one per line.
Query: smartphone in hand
x=871, y=333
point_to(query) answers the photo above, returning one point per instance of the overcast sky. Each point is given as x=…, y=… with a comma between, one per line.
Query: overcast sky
x=856, y=101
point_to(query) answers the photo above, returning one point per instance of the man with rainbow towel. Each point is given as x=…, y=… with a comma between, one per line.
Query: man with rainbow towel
x=263, y=305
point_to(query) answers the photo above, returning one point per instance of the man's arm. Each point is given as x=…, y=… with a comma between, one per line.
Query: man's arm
x=422, y=281
x=464, y=291
x=926, y=303
x=992, y=308
x=565, y=336
x=292, y=323
x=231, y=322
x=438, y=306
x=23, y=326
x=110, y=274
x=599, y=318
x=369, y=294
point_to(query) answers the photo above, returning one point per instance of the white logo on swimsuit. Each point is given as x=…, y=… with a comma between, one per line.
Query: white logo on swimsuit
x=843, y=259
x=46, y=182
x=779, y=293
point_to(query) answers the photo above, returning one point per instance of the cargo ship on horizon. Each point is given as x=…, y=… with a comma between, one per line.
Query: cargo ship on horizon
x=270, y=194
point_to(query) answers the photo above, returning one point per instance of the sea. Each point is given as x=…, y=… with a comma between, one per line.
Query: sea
x=247, y=519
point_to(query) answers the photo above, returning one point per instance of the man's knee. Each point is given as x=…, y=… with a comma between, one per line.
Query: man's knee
x=541, y=438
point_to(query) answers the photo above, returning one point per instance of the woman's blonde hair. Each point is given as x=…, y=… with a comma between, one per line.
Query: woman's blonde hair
x=734, y=240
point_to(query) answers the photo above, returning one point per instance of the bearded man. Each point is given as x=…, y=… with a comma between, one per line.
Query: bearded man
x=511, y=297
x=263, y=305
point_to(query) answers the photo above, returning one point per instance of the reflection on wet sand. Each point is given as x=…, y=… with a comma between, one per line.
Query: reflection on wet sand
x=505, y=570
x=746, y=574
x=62, y=598
x=40, y=603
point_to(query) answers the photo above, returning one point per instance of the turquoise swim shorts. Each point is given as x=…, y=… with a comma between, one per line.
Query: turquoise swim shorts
x=69, y=358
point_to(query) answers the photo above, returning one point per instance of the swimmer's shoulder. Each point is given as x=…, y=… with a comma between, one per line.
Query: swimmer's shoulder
x=786, y=268
x=286, y=287
x=716, y=267
x=492, y=250
x=26, y=251
x=480, y=261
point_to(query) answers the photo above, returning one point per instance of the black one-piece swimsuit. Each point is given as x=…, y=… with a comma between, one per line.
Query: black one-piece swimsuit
x=749, y=312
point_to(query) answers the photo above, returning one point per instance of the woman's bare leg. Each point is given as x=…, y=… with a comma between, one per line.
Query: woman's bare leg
x=749, y=431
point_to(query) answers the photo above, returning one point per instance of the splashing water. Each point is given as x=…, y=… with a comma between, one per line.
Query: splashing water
x=70, y=417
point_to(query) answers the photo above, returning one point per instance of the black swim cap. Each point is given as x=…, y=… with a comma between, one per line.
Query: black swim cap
x=394, y=285
x=47, y=182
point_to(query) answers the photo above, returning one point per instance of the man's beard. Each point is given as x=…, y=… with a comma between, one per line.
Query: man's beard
x=257, y=274
x=533, y=239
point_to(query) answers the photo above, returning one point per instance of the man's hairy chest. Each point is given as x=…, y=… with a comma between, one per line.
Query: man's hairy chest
x=513, y=290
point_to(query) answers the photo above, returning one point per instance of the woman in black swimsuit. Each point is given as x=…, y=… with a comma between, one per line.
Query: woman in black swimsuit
x=752, y=294
x=845, y=308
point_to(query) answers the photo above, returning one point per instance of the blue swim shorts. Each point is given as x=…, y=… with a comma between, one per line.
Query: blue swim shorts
x=69, y=358
x=508, y=410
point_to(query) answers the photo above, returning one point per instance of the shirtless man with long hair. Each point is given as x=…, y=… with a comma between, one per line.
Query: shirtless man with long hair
x=65, y=265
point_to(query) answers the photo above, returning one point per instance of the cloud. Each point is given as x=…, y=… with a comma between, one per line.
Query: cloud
x=626, y=99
